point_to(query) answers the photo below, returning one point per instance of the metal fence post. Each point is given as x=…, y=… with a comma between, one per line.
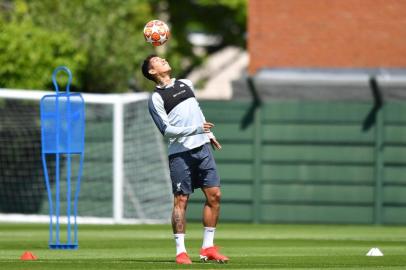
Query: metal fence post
x=378, y=151
x=257, y=153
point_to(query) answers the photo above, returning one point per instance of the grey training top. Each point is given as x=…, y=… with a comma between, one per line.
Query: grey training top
x=178, y=116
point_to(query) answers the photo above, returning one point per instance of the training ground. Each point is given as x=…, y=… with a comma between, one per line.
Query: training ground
x=248, y=246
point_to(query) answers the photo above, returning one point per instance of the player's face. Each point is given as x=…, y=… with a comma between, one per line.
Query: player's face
x=159, y=65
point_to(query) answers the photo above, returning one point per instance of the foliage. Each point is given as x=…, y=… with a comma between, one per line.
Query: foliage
x=109, y=32
x=28, y=54
x=225, y=19
x=101, y=40
x=237, y=7
x=106, y=33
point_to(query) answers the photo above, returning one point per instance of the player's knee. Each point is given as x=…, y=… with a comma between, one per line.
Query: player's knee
x=181, y=201
x=214, y=198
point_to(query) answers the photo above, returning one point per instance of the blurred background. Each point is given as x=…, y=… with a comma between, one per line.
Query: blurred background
x=308, y=97
x=102, y=41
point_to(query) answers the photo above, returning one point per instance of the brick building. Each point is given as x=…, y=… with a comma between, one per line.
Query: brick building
x=326, y=34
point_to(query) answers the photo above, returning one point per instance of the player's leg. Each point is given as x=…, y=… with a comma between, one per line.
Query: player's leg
x=179, y=227
x=179, y=213
x=181, y=188
x=211, y=209
x=209, y=182
x=211, y=212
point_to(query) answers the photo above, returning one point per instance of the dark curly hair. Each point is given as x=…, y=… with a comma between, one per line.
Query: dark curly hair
x=146, y=66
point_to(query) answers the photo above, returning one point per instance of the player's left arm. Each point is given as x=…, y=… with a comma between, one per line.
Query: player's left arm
x=213, y=141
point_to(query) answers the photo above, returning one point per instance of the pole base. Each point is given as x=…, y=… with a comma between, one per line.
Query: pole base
x=63, y=246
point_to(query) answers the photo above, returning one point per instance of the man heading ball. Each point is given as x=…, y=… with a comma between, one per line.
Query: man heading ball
x=177, y=114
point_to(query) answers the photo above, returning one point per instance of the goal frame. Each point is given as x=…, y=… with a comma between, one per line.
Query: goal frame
x=118, y=101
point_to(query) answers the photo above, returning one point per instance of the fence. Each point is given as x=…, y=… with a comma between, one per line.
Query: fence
x=310, y=161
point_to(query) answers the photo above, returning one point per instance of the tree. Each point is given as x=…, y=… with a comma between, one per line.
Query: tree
x=223, y=18
x=109, y=32
x=102, y=39
x=28, y=54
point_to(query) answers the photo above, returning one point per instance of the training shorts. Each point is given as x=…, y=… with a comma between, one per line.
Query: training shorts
x=192, y=169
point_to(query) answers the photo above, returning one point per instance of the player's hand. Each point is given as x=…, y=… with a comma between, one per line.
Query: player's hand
x=215, y=144
x=207, y=126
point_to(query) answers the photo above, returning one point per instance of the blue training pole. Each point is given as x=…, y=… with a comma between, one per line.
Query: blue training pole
x=62, y=127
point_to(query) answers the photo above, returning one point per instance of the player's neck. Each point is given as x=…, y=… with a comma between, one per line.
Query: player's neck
x=164, y=81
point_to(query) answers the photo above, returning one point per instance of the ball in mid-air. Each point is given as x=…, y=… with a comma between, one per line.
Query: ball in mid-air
x=156, y=32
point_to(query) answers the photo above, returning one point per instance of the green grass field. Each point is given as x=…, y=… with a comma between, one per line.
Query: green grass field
x=248, y=246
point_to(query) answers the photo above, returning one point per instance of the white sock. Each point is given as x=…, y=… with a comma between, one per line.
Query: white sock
x=208, y=237
x=180, y=243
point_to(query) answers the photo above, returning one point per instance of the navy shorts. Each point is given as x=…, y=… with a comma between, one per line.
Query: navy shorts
x=192, y=169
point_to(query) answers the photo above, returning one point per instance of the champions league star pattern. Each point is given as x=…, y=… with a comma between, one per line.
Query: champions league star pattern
x=156, y=32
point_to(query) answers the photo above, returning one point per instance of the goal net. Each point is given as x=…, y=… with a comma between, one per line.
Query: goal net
x=125, y=175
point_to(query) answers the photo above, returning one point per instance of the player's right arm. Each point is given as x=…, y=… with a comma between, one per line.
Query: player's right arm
x=158, y=113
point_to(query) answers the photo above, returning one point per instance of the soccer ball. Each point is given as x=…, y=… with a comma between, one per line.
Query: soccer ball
x=156, y=32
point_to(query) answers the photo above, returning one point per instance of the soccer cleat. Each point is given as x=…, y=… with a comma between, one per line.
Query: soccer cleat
x=212, y=254
x=183, y=258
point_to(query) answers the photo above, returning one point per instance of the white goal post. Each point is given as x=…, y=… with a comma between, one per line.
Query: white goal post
x=127, y=178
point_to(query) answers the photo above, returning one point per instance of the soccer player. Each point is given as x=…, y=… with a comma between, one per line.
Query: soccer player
x=177, y=114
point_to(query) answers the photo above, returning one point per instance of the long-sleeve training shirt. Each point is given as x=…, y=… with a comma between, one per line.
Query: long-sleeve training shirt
x=178, y=116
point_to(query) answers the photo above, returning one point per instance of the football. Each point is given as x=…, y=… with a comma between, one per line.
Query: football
x=156, y=32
